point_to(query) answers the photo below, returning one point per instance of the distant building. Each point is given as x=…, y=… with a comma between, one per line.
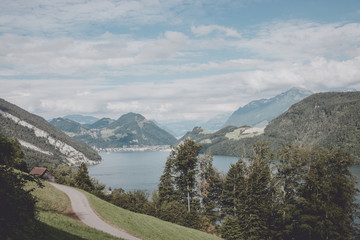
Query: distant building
x=43, y=173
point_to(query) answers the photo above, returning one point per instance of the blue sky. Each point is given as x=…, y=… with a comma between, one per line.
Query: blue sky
x=172, y=60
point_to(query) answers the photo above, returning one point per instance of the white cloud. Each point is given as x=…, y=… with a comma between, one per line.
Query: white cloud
x=193, y=98
x=302, y=40
x=169, y=74
x=208, y=29
x=79, y=17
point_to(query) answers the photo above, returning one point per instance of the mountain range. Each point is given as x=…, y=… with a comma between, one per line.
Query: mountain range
x=256, y=113
x=261, y=112
x=320, y=120
x=81, y=118
x=42, y=142
x=131, y=129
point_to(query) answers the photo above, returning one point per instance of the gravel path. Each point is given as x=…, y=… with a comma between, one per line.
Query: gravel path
x=82, y=209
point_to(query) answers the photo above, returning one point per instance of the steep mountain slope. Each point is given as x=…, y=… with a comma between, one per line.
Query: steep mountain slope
x=323, y=119
x=42, y=143
x=129, y=130
x=67, y=125
x=229, y=140
x=320, y=120
x=262, y=111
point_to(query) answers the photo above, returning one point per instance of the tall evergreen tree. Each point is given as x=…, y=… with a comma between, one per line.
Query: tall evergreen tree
x=291, y=169
x=234, y=200
x=210, y=188
x=234, y=193
x=327, y=197
x=166, y=186
x=258, y=204
x=82, y=178
x=185, y=158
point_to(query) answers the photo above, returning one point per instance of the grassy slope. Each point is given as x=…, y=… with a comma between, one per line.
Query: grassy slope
x=144, y=226
x=57, y=221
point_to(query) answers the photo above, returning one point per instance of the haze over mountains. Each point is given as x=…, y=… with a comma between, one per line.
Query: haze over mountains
x=261, y=112
x=255, y=113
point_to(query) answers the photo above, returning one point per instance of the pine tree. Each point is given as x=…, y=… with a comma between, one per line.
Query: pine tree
x=258, y=204
x=327, y=196
x=185, y=158
x=166, y=186
x=291, y=169
x=235, y=188
x=210, y=188
x=82, y=179
x=234, y=200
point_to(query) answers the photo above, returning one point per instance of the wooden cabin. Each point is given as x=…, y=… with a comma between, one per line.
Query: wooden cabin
x=43, y=173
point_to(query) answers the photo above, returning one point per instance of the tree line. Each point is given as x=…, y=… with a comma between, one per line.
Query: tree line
x=296, y=193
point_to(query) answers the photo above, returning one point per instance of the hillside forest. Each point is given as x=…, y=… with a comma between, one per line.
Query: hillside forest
x=294, y=193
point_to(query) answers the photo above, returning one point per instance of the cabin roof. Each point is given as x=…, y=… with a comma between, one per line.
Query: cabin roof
x=38, y=171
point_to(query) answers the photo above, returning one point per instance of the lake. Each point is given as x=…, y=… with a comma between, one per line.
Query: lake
x=139, y=170
x=142, y=170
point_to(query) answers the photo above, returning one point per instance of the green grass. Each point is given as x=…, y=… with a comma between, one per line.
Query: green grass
x=56, y=220
x=144, y=226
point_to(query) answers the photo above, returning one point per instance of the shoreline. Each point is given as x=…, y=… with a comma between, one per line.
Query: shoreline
x=156, y=148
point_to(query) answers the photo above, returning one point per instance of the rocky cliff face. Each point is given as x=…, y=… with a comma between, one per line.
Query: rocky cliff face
x=42, y=142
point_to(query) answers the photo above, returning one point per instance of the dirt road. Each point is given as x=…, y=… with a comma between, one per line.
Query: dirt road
x=82, y=209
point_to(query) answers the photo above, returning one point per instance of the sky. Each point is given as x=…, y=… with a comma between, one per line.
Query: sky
x=172, y=60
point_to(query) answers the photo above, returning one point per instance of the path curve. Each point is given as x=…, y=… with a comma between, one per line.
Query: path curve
x=82, y=209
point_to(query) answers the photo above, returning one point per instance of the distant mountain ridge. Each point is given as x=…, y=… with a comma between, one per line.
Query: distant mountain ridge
x=130, y=129
x=320, y=120
x=256, y=113
x=41, y=142
x=81, y=118
x=260, y=112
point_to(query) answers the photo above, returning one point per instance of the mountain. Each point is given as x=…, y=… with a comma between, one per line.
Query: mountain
x=67, y=125
x=81, y=119
x=320, y=120
x=42, y=142
x=181, y=127
x=216, y=122
x=164, y=127
x=262, y=111
x=226, y=140
x=102, y=123
x=129, y=130
x=323, y=119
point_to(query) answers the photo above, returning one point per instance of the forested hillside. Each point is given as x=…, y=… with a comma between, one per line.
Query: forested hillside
x=41, y=142
x=320, y=120
x=323, y=119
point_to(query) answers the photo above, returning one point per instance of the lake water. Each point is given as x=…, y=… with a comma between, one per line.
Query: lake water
x=142, y=170
x=139, y=170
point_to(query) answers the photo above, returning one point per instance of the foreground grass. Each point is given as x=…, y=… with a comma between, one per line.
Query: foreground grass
x=144, y=226
x=56, y=220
